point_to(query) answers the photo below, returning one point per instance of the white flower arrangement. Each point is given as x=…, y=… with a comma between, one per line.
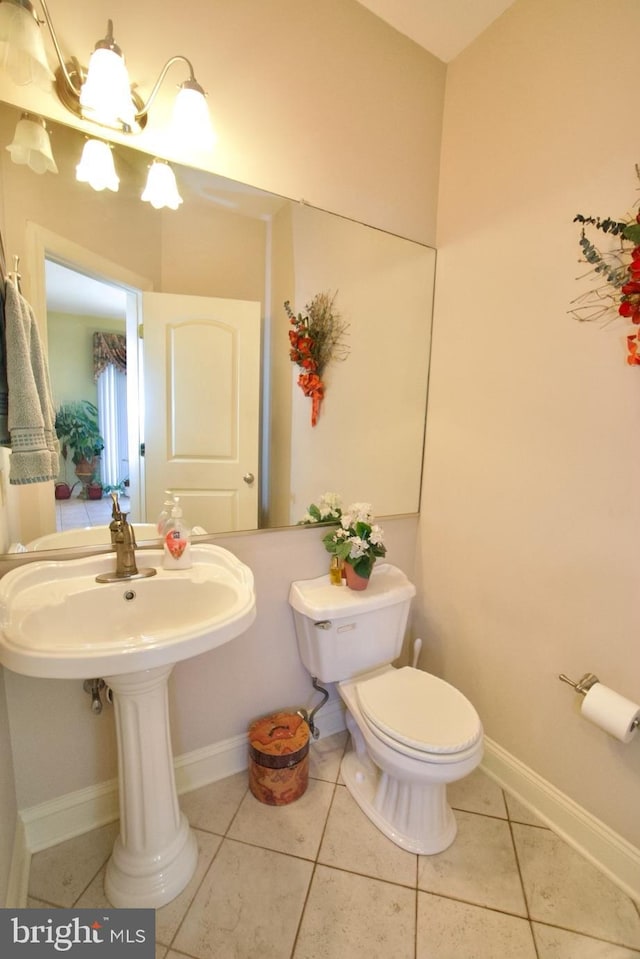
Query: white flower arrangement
x=358, y=540
x=328, y=510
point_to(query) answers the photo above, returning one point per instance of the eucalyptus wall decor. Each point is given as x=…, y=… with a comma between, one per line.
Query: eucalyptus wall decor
x=616, y=273
x=316, y=338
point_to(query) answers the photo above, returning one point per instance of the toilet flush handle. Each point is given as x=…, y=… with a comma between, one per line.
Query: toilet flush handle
x=323, y=624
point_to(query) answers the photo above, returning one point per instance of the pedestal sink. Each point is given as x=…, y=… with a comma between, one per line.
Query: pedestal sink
x=57, y=622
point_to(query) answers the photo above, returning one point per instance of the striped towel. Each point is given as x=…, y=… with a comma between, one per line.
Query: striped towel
x=31, y=414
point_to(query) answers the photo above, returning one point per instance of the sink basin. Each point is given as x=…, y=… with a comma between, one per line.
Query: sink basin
x=89, y=536
x=84, y=536
x=57, y=622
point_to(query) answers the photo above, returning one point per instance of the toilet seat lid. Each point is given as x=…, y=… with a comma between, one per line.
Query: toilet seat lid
x=420, y=710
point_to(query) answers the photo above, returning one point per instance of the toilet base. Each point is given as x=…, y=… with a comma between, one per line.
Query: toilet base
x=404, y=796
x=416, y=817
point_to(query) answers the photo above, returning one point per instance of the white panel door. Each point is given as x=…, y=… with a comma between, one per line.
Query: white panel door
x=201, y=370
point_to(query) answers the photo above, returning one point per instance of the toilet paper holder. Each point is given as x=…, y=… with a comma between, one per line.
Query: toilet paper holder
x=583, y=686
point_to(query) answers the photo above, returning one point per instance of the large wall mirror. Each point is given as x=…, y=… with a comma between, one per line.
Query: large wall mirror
x=207, y=283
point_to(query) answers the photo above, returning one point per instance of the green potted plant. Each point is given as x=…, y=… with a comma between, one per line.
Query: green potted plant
x=77, y=429
x=357, y=542
x=119, y=488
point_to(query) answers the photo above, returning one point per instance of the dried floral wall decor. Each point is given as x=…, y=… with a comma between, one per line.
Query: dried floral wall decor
x=316, y=338
x=616, y=273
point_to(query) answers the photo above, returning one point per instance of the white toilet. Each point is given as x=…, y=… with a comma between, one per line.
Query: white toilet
x=411, y=733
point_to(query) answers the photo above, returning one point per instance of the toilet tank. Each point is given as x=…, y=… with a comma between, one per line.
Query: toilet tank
x=342, y=632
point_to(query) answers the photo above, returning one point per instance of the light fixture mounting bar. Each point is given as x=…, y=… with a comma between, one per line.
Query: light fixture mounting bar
x=66, y=74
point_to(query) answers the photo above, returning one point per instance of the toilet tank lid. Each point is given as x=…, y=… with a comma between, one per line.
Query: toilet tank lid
x=319, y=599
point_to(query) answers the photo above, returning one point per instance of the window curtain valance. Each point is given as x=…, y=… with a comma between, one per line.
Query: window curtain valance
x=109, y=348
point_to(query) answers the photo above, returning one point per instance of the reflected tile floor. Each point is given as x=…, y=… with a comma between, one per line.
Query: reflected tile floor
x=74, y=512
x=316, y=880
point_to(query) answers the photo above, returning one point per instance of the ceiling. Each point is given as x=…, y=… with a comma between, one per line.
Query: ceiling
x=443, y=27
x=71, y=292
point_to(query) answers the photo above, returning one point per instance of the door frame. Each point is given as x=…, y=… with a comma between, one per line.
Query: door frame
x=42, y=244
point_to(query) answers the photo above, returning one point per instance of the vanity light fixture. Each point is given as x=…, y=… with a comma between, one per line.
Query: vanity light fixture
x=31, y=144
x=105, y=95
x=101, y=94
x=191, y=122
x=161, y=189
x=96, y=166
x=22, y=52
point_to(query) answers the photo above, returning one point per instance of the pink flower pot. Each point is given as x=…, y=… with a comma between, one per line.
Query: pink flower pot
x=353, y=580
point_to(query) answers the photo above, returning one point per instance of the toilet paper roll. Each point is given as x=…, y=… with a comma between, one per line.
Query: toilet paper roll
x=611, y=712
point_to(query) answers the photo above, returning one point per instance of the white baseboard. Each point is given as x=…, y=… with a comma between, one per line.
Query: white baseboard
x=70, y=815
x=603, y=847
x=73, y=814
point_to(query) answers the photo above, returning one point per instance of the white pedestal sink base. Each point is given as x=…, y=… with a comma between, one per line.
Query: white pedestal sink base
x=140, y=628
x=130, y=882
x=155, y=855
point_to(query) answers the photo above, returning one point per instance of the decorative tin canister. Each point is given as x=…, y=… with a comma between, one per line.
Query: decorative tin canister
x=279, y=758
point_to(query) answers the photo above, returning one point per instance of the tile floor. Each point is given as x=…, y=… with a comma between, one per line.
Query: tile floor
x=315, y=880
x=74, y=512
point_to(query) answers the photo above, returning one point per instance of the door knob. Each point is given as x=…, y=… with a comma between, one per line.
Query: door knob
x=248, y=478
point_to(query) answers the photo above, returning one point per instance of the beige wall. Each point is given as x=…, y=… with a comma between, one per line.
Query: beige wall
x=205, y=249
x=529, y=530
x=316, y=101
x=321, y=101
x=380, y=388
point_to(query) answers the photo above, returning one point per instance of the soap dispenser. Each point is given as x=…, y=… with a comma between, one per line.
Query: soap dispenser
x=177, y=546
x=165, y=513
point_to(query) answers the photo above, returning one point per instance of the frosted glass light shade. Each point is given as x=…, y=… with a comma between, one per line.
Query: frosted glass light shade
x=32, y=146
x=22, y=52
x=161, y=189
x=191, y=122
x=106, y=93
x=96, y=166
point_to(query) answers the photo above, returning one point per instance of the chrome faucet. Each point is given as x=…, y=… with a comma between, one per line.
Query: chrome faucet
x=123, y=540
